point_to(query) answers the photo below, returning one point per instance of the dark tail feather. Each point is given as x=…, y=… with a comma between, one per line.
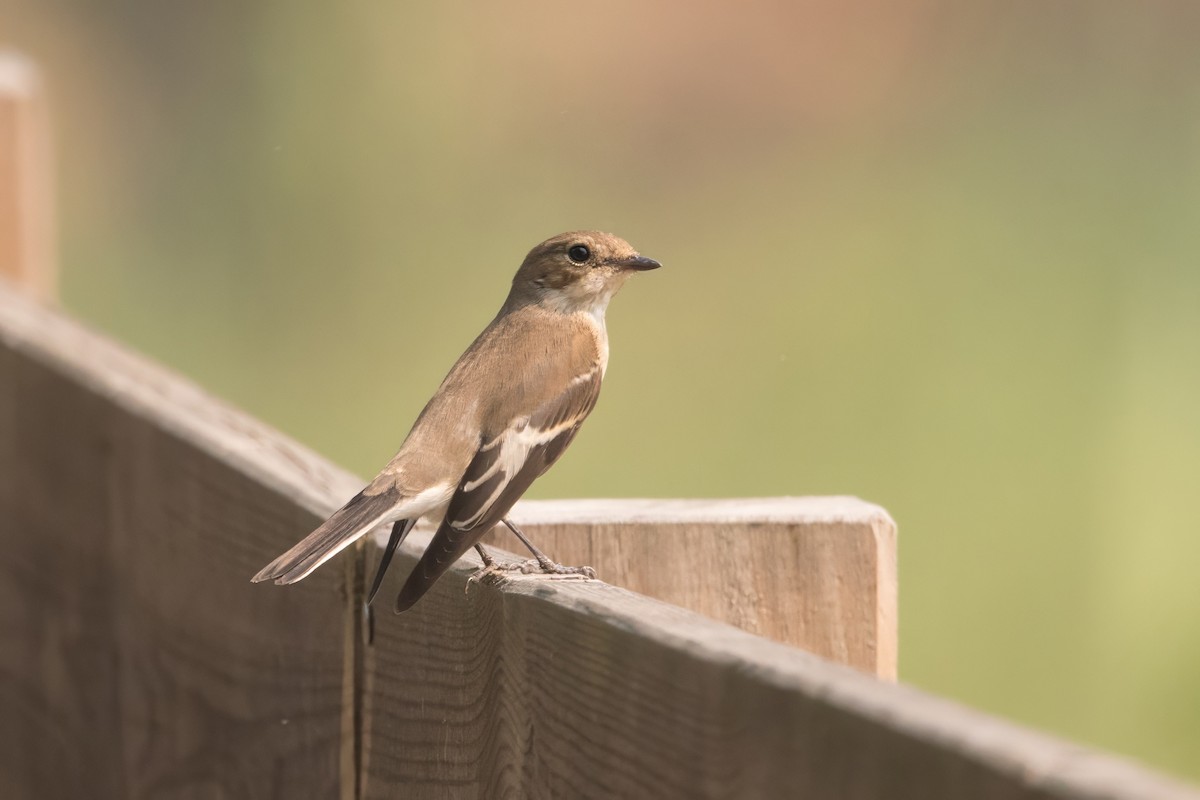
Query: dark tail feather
x=399, y=531
x=349, y=522
x=447, y=545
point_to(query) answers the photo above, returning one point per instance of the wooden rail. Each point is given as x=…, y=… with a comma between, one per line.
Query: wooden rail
x=139, y=661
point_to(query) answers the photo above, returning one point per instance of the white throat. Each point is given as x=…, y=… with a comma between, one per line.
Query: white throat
x=575, y=300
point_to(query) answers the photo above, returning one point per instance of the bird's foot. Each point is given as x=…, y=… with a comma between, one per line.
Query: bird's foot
x=534, y=566
x=542, y=563
x=489, y=573
x=555, y=570
x=492, y=571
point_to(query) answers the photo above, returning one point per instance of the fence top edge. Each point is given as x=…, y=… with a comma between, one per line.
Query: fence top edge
x=741, y=510
x=173, y=403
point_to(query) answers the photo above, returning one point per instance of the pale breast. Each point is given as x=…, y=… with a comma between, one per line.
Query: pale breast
x=599, y=333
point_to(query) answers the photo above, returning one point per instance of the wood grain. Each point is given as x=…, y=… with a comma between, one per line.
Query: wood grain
x=138, y=661
x=815, y=572
x=543, y=689
x=26, y=181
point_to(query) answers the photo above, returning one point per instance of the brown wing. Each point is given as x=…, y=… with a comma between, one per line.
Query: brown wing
x=502, y=469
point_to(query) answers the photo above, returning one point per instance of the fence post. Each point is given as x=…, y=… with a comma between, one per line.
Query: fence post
x=813, y=572
x=26, y=185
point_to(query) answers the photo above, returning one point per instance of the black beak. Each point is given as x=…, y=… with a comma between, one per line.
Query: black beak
x=640, y=263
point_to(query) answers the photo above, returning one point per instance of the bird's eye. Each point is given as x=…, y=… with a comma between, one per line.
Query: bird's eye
x=579, y=253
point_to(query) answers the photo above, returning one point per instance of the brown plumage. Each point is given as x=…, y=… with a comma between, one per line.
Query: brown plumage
x=503, y=415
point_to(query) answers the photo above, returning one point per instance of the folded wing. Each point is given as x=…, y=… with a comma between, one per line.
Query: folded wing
x=504, y=466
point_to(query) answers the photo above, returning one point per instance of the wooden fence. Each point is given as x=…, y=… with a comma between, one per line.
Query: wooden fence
x=138, y=661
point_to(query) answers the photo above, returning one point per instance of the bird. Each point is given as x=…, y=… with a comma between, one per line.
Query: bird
x=505, y=412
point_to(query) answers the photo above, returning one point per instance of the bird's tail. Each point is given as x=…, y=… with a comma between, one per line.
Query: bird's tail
x=361, y=514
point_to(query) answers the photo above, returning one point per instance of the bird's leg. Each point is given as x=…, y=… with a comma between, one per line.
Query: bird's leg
x=485, y=556
x=543, y=561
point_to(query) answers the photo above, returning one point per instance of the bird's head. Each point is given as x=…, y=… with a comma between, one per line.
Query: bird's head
x=577, y=271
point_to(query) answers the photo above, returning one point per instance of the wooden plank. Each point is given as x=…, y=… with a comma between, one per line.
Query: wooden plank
x=815, y=572
x=26, y=184
x=138, y=660
x=545, y=689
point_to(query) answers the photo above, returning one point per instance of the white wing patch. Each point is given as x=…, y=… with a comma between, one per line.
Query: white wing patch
x=506, y=464
x=515, y=445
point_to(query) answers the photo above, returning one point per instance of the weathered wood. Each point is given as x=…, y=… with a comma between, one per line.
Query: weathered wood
x=26, y=209
x=543, y=689
x=138, y=660
x=815, y=572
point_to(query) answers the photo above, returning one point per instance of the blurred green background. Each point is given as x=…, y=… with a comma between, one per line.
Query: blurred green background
x=941, y=256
